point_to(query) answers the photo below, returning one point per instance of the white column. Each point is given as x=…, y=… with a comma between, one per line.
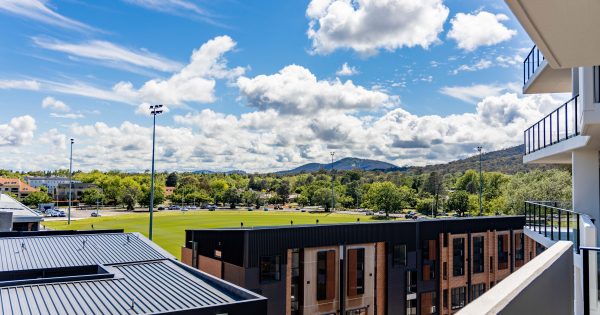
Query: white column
x=586, y=183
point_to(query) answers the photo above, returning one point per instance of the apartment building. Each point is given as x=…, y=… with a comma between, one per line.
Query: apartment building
x=51, y=182
x=15, y=186
x=402, y=267
x=61, y=192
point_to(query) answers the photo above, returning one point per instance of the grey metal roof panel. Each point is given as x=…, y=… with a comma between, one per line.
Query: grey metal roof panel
x=23, y=253
x=138, y=288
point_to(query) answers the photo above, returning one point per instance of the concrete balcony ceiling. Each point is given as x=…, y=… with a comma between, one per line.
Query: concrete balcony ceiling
x=566, y=32
x=548, y=80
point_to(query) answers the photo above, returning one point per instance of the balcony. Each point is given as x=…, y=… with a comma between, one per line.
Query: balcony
x=554, y=221
x=560, y=125
x=539, y=77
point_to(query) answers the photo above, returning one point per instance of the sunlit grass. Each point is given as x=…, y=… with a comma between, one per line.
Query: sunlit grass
x=170, y=226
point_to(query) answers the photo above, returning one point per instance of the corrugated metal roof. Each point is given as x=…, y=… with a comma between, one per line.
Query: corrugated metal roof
x=145, y=288
x=41, y=252
x=146, y=280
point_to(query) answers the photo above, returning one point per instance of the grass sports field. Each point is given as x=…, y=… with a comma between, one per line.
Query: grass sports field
x=170, y=226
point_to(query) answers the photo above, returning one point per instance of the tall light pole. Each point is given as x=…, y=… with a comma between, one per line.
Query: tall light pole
x=154, y=110
x=70, y=181
x=332, y=193
x=479, y=148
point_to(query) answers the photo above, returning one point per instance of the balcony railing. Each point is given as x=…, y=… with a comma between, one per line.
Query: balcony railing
x=590, y=255
x=561, y=124
x=531, y=63
x=556, y=223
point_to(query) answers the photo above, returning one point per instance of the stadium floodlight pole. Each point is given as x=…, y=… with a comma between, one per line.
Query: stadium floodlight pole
x=70, y=181
x=154, y=110
x=479, y=148
x=332, y=193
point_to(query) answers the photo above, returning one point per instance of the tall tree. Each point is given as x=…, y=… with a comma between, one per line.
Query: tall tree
x=172, y=180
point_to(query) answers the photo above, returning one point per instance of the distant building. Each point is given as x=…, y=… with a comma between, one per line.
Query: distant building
x=51, y=182
x=61, y=192
x=15, y=186
x=169, y=191
x=23, y=218
x=108, y=273
x=404, y=267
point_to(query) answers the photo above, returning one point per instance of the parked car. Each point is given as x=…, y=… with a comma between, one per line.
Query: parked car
x=174, y=207
x=266, y=209
x=161, y=208
x=369, y=212
x=212, y=207
x=95, y=214
x=185, y=209
x=193, y=207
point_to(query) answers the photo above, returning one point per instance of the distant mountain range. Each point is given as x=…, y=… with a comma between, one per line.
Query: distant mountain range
x=344, y=164
x=507, y=161
x=219, y=172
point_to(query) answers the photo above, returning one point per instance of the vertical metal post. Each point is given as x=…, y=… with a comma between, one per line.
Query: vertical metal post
x=576, y=118
x=332, y=191
x=566, y=120
x=578, y=236
x=552, y=223
x=586, y=282
x=559, y=222
x=568, y=223
x=70, y=182
x=152, y=177
x=545, y=221
x=155, y=110
x=480, y=182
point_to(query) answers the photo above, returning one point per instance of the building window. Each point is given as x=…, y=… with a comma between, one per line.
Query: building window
x=519, y=250
x=356, y=271
x=295, y=282
x=477, y=290
x=478, y=258
x=358, y=311
x=399, y=255
x=270, y=268
x=325, y=275
x=502, y=252
x=411, y=307
x=458, y=257
x=428, y=303
x=458, y=298
x=491, y=264
x=411, y=281
x=428, y=256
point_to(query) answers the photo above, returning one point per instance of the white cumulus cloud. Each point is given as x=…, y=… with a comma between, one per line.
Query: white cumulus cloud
x=296, y=90
x=483, y=28
x=54, y=104
x=18, y=131
x=366, y=26
x=346, y=70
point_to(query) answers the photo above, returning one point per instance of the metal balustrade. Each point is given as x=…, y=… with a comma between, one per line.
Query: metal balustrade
x=531, y=63
x=556, y=223
x=561, y=124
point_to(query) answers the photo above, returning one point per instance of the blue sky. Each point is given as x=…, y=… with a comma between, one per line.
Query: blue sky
x=273, y=84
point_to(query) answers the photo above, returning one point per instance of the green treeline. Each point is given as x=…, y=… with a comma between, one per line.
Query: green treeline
x=390, y=192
